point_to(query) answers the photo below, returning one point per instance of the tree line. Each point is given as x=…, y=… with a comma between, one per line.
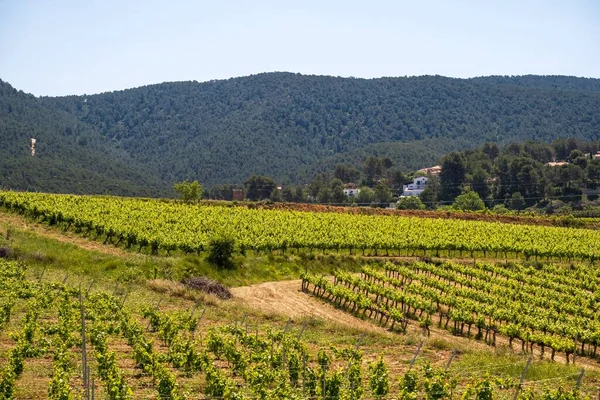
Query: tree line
x=515, y=176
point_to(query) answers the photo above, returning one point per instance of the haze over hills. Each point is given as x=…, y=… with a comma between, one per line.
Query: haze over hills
x=288, y=126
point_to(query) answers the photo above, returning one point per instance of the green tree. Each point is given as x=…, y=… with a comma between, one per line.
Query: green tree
x=581, y=162
x=317, y=184
x=491, y=150
x=324, y=196
x=365, y=195
x=452, y=177
x=293, y=194
x=383, y=194
x=346, y=173
x=300, y=195
x=479, y=182
x=469, y=201
x=410, y=203
x=397, y=179
x=540, y=152
x=431, y=195
x=276, y=196
x=188, y=191
x=288, y=194
x=259, y=187
x=373, y=169
x=568, y=180
x=593, y=174
x=516, y=201
x=529, y=181
x=337, y=191
x=387, y=163
x=573, y=155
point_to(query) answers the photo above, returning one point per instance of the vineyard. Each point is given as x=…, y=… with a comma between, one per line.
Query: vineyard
x=539, y=299
x=90, y=341
x=162, y=226
x=549, y=308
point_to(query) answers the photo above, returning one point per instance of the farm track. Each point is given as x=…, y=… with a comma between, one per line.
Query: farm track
x=7, y=220
x=286, y=298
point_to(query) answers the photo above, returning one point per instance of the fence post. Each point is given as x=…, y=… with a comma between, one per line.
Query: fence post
x=302, y=331
x=579, y=378
x=83, y=347
x=199, y=319
x=451, y=359
x=522, y=378
x=87, y=293
x=415, y=355
x=124, y=298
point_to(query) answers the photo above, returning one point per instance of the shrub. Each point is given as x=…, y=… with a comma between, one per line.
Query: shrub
x=469, y=201
x=220, y=252
x=410, y=203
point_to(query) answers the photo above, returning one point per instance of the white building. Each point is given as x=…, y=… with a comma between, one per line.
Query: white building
x=352, y=192
x=416, y=188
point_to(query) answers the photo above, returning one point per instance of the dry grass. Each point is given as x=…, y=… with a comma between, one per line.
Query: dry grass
x=177, y=289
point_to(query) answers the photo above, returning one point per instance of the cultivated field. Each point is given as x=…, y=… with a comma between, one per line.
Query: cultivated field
x=91, y=302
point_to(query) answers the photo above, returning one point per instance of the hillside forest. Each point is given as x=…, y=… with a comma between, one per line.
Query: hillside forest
x=289, y=127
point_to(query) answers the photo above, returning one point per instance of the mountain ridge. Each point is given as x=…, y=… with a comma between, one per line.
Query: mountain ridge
x=289, y=126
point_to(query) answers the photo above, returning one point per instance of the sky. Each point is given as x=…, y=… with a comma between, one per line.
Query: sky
x=62, y=47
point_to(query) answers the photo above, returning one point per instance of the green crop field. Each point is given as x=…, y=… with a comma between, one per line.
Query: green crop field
x=169, y=226
x=91, y=304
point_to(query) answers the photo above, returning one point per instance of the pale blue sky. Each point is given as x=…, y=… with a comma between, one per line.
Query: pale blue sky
x=60, y=47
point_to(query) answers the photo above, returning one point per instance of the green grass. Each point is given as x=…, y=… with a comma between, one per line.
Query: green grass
x=41, y=252
x=541, y=374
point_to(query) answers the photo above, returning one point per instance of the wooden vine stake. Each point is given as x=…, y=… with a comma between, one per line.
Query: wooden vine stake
x=412, y=362
x=84, y=367
x=522, y=379
x=579, y=378
x=451, y=359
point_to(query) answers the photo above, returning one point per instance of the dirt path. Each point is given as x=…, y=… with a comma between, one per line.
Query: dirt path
x=286, y=298
x=8, y=220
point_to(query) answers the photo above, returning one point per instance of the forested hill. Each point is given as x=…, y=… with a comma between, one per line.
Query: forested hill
x=548, y=82
x=290, y=126
x=70, y=156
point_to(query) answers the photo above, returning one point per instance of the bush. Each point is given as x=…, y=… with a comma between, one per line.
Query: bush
x=410, y=203
x=220, y=252
x=469, y=201
x=500, y=209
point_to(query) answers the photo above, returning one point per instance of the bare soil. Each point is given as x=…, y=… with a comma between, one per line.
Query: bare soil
x=286, y=298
